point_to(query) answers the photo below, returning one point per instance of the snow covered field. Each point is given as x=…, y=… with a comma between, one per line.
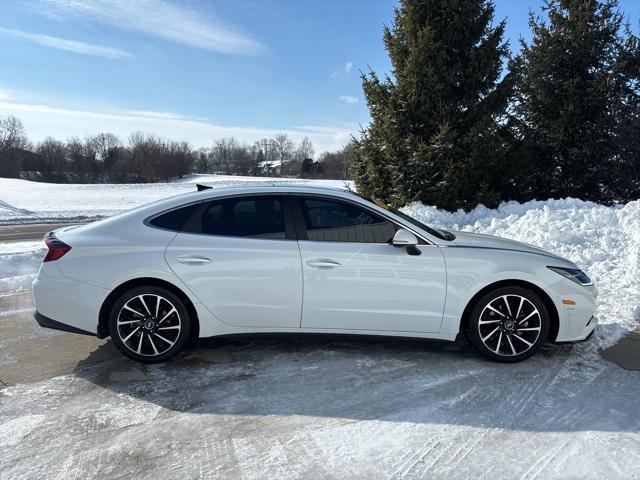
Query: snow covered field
x=339, y=409
x=22, y=201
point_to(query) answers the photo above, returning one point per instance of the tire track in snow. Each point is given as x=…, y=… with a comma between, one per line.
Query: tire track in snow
x=543, y=462
x=405, y=468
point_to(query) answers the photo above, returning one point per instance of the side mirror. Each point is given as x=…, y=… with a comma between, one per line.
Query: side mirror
x=404, y=238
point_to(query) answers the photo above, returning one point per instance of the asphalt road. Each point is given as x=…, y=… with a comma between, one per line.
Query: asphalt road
x=12, y=233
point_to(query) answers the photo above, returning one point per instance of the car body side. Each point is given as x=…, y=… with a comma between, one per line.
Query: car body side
x=113, y=252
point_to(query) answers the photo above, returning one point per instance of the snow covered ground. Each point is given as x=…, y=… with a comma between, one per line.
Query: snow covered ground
x=22, y=201
x=340, y=409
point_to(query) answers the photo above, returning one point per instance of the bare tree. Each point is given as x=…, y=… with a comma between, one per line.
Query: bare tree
x=334, y=164
x=264, y=156
x=12, y=141
x=283, y=150
x=54, y=159
x=304, y=151
x=201, y=164
x=223, y=154
x=106, y=149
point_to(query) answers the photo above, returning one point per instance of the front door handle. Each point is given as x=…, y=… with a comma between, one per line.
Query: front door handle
x=321, y=263
x=193, y=260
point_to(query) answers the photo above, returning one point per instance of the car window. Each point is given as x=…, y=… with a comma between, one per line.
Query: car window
x=334, y=221
x=175, y=219
x=260, y=217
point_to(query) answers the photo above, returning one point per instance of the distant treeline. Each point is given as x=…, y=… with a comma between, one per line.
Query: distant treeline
x=105, y=158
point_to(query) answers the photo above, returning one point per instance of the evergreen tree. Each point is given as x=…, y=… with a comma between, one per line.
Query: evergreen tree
x=577, y=103
x=438, y=124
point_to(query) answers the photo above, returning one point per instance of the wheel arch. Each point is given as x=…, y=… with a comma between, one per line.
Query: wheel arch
x=103, y=316
x=548, y=302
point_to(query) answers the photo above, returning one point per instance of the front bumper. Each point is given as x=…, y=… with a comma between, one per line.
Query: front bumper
x=585, y=335
x=576, y=307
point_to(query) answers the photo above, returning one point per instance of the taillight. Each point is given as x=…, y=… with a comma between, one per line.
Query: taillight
x=57, y=248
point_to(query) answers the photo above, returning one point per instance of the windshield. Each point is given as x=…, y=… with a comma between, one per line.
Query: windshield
x=436, y=232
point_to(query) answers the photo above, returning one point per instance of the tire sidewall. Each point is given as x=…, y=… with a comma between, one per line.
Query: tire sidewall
x=474, y=333
x=185, y=332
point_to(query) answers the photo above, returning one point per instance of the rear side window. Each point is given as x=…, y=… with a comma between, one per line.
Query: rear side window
x=260, y=217
x=333, y=221
x=175, y=219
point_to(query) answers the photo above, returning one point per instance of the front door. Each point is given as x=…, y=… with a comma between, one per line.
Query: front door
x=236, y=256
x=354, y=279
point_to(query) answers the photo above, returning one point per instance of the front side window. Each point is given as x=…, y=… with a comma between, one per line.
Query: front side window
x=260, y=217
x=335, y=221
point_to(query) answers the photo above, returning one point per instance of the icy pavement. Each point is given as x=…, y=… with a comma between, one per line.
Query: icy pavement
x=315, y=409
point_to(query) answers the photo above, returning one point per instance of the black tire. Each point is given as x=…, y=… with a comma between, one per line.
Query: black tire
x=509, y=330
x=150, y=337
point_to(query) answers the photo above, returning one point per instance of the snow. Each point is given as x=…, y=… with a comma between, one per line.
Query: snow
x=19, y=263
x=22, y=201
x=318, y=408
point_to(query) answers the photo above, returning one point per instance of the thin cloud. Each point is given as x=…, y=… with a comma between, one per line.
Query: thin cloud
x=349, y=99
x=41, y=121
x=160, y=19
x=344, y=71
x=65, y=44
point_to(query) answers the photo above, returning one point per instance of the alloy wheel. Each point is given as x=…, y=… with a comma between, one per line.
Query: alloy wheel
x=509, y=325
x=149, y=324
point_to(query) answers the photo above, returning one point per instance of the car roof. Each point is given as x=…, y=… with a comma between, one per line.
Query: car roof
x=285, y=187
x=231, y=190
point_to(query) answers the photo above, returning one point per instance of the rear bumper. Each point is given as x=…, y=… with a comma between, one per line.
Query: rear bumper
x=75, y=305
x=47, y=322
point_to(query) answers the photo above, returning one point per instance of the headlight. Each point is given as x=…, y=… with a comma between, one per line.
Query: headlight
x=573, y=274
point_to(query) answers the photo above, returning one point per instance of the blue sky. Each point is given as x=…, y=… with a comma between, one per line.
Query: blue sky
x=199, y=70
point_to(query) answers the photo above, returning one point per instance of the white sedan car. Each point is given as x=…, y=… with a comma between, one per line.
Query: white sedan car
x=303, y=259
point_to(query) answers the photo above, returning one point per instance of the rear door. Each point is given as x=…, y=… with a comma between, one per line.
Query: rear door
x=239, y=256
x=354, y=279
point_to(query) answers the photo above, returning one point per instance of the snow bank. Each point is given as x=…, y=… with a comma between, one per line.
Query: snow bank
x=19, y=263
x=604, y=241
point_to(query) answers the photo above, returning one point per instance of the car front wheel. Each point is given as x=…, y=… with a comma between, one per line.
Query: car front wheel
x=149, y=324
x=509, y=324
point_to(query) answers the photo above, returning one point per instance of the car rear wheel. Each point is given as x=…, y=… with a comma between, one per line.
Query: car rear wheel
x=509, y=324
x=149, y=324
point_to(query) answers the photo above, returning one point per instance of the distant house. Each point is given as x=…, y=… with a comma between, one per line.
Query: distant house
x=270, y=168
x=273, y=168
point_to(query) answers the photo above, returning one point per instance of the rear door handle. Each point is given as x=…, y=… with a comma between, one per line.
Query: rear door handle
x=193, y=260
x=323, y=263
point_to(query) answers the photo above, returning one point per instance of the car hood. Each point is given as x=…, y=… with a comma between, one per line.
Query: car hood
x=478, y=240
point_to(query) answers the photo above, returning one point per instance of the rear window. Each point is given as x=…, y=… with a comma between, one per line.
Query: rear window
x=260, y=217
x=175, y=219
